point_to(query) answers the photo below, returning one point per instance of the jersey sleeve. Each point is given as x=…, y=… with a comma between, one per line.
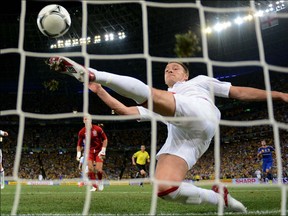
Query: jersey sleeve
x=80, y=138
x=103, y=135
x=135, y=154
x=272, y=148
x=220, y=88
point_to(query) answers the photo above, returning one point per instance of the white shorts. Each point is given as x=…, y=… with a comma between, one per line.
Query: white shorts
x=190, y=139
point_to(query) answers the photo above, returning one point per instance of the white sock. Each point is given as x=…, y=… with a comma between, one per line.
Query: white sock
x=126, y=86
x=190, y=194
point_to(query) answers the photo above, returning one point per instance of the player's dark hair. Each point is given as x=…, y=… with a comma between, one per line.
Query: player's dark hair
x=185, y=67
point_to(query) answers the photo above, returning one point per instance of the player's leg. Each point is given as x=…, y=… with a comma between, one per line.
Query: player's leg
x=85, y=177
x=82, y=175
x=138, y=171
x=2, y=182
x=91, y=172
x=99, y=170
x=173, y=168
x=269, y=171
x=137, y=174
x=2, y=176
x=163, y=101
x=143, y=174
x=265, y=174
x=124, y=85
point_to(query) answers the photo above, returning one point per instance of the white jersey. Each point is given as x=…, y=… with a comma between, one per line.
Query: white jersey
x=202, y=86
x=194, y=99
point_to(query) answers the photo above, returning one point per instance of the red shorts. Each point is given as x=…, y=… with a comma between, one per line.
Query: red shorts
x=94, y=157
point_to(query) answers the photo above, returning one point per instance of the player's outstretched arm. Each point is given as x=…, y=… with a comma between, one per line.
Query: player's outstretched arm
x=112, y=102
x=254, y=94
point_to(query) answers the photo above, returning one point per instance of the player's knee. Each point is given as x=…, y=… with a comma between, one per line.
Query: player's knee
x=99, y=170
x=166, y=192
x=142, y=172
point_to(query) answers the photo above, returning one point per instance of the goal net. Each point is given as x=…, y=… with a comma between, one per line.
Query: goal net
x=242, y=42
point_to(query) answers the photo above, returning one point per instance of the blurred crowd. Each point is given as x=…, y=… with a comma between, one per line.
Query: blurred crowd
x=50, y=150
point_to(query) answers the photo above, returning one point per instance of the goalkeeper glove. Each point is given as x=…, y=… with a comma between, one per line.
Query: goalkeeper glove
x=78, y=156
x=102, y=153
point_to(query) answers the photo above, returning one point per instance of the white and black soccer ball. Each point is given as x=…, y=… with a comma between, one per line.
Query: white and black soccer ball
x=53, y=20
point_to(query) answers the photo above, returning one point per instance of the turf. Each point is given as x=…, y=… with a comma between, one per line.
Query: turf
x=128, y=200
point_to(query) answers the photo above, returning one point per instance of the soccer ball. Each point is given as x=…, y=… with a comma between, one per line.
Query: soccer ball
x=53, y=21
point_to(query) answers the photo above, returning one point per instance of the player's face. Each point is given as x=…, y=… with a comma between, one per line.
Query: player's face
x=142, y=148
x=174, y=72
x=86, y=120
x=263, y=143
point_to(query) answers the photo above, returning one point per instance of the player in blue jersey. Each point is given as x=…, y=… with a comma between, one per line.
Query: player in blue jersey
x=266, y=152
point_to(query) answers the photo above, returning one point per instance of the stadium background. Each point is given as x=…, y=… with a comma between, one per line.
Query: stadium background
x=49, y=146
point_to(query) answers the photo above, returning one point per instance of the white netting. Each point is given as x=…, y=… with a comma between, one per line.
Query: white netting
x=210, y=63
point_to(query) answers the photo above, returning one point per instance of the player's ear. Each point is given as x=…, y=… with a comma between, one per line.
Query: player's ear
x=186, y=77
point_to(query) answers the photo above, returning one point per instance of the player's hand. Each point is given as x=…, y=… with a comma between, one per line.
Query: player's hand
x=102, y=153
x=78, y=156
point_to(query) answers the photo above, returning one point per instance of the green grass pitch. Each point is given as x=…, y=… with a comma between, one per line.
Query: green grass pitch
x=128, y=200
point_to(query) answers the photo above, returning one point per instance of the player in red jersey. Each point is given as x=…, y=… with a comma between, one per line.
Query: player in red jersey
x=97, y=151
